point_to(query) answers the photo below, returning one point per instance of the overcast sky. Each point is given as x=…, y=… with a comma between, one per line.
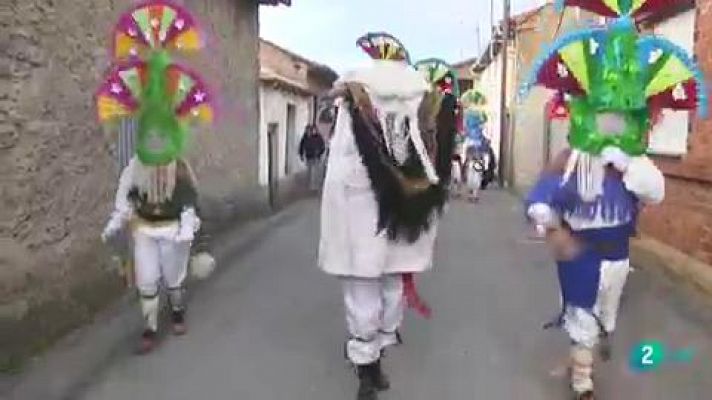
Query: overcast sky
x=326, y=30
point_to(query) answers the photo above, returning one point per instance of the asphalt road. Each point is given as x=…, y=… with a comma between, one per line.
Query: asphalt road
x=269, y=326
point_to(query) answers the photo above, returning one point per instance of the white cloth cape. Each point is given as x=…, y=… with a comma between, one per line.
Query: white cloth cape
x=350, y=244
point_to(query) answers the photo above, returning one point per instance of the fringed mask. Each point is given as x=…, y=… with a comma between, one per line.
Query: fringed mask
x=615, y=81
x=165, y=98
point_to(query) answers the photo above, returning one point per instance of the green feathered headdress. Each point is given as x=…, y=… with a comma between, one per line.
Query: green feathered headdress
x=612, y=70
x=440, y=75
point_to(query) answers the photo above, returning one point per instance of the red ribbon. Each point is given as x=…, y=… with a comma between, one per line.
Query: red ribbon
x=410, y=292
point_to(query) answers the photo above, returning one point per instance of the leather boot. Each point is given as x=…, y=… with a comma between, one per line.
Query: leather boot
x=367, y=382
x=380, y=379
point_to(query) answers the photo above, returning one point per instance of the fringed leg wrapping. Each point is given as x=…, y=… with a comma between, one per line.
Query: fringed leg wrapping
x=581, y=368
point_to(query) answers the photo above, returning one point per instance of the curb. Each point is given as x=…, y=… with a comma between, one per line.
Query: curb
x=63, y=371
x=649, y=253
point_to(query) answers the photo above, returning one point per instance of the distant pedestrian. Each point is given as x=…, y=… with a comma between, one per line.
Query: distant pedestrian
x=311, y=150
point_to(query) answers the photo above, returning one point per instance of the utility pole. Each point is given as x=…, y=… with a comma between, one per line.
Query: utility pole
x=503, y=120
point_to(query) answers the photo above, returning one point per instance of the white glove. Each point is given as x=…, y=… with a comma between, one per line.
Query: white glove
x=645, y=180
x=113, y=227
x=184, y=235
x=614, y=155
x=543, y=215
x=189, y=225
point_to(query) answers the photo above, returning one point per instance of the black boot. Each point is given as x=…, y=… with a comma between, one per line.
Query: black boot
x=380, y=380
x=588, y=395
x=367, y=382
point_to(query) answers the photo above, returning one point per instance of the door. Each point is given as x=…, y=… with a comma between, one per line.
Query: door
x=272, y=162
x=289, y=138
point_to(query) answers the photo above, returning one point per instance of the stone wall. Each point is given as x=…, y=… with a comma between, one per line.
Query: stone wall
x=58, y=168
x=684, y=220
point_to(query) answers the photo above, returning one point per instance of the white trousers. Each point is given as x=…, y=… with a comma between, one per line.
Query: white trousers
x=374, y=311
x=474, y=181
x=581, y=326
x=158, y=258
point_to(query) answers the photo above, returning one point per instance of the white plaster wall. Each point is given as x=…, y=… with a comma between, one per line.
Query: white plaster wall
x=491, y=86
x=273, y=109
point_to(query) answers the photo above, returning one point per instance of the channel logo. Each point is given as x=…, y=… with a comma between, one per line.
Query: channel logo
x=650, y=355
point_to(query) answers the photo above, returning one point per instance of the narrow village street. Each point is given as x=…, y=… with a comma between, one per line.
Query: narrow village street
x=163, y=166
x=269, y=326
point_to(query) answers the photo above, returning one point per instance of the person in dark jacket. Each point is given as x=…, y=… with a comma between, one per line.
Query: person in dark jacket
x=490, y=165
x=311, y=150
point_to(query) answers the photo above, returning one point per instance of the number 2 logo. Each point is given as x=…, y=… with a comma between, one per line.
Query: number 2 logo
x=647, y=358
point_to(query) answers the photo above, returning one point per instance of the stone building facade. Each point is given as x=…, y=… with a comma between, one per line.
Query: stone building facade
x=58, y=168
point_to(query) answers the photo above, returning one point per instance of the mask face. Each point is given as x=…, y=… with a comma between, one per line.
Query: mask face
x=615, y=113
x=161, y=138
x=593, y=129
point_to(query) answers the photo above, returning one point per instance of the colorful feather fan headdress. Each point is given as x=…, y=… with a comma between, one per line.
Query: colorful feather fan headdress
x=383, y=46
x=439, y=74
x=166, y=98
x=618, y=8
x=612, y=69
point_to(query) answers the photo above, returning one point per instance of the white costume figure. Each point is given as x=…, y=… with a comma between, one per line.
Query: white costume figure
x=157, y=198
x=158, y=204
x=474, y=168
x=370, y=234
x=457, y=177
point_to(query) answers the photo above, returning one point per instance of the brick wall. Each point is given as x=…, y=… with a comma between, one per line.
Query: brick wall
x=684, y=220
x=58, y=167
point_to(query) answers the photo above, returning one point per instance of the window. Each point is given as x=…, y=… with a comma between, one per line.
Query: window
x=669, y=137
